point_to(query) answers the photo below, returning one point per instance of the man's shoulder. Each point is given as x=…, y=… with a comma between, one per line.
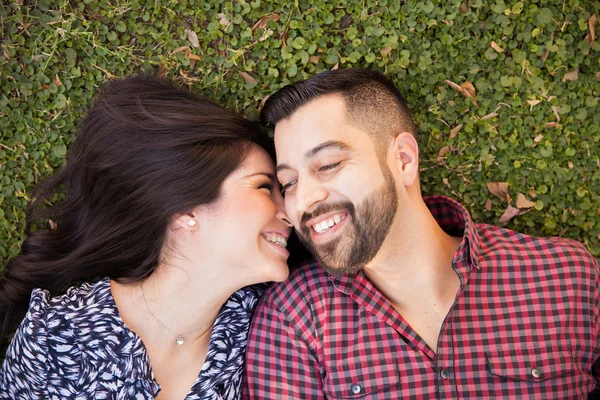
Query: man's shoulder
x=501, y=244
x=306, y=283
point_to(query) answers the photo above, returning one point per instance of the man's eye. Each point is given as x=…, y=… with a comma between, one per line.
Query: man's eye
x=328, y=167
x=287, y=187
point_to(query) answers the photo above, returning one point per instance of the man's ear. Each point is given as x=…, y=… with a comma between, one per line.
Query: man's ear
x=406, y=157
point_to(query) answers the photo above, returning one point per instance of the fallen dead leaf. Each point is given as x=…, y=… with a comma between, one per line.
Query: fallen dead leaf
x=454, y=131
x=556, y=114
x=468, y=86
x=571, y=76
x=179, y=50
x=533, y=103
x=551, y=124
x=591, y=37
x=56, y=80
x=523, y=202
x=336, y=66
x=496, y=47
x=509, y=214
x=563, y=231
x=53, y=225
x=544, y=56
x=262, y=23
x=192, y=56
x=247, y=77
x=598, y=76
x=489, y=116
x=464, y=8
x=385, y=51
x=532, y=193
x=488, y=205
x=443, y=151
x=314, y=59
x=192, y=37
x=538, y=138
x=446, y=182
x=570, y=164
x=262, y=103
x=499, y=189
x=223, y=20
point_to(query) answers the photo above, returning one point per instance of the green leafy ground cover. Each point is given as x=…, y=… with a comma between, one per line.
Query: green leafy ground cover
x=505, y=93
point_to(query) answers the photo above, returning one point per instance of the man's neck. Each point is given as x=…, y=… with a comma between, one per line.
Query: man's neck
x=414, y=264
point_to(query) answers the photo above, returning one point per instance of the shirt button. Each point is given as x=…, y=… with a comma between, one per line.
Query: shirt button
x=445, y=374
x=356, y=388
x=535, y=373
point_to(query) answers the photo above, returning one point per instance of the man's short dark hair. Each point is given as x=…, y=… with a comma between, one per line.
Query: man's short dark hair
x=373, y=103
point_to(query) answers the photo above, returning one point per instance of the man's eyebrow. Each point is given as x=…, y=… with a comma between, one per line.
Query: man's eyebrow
x=267, y=174
x=315, y=150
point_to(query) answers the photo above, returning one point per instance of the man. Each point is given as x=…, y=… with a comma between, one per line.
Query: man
x=408, y=297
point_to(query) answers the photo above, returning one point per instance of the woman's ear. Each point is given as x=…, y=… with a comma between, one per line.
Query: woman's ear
x=186, y=221
x=406, y=158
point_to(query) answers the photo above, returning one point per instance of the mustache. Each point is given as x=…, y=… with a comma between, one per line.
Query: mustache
x=325, y=208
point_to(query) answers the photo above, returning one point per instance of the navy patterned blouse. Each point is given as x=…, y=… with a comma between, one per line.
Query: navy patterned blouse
x=76, y=346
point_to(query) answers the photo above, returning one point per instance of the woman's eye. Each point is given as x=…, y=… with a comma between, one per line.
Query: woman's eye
x=268, y=185
x=329, y=167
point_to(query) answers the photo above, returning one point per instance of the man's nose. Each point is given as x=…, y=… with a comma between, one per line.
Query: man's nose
x=309, y=193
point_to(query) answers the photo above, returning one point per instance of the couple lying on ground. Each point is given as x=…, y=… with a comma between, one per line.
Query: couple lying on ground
x=149, y=284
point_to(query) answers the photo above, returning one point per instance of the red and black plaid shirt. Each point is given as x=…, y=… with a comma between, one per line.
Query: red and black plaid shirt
x=524, y=325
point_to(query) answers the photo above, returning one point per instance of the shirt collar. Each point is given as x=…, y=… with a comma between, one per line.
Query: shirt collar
x=455, y=220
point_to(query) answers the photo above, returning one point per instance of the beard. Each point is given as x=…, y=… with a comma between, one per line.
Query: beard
x=368, y=225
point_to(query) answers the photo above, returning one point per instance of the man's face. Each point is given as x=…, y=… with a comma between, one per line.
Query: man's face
x=340, y=198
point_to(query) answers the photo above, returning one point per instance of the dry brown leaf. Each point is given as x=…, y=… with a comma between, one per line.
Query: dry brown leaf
x=464, y=8
x=247, y=77
x=499, y=189
x=598, y=76
x=314, y=59
x=488, y=205
x=385, y=51
x=544, y=56
x=509, y=214
x=523, y=202
x=53, y=225
x=56, y=80
x=532, y=193
x=538, y=138
x=551, y=124
x=468, y=86
x=336, y=66
x=262, y=103
x=570, y=164
x=591, y=37
x=496, y=47
x=192, y=37
x=443, y=151
x=556, y=114
x=192, y=56
x=571, y=76
x=454, y=131
x=533, y=103
x=223, y=20
x=180, y=49
x=262, y=23
x=489, y=116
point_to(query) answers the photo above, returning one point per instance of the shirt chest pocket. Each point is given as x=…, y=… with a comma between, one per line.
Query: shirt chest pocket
x=365, y=380
x=536, y=370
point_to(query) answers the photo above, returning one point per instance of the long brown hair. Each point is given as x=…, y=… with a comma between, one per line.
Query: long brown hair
x=147, y=150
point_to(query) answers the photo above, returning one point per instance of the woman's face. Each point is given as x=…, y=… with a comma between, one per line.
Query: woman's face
x=247, y=227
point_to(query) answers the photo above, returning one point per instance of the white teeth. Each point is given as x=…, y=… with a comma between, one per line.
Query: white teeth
x=277, y=239
x=327, y=224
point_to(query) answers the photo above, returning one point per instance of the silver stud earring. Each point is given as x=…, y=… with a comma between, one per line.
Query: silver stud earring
x=191, y=223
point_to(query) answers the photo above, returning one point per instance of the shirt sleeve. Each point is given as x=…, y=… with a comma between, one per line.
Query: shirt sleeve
x=25, y=368
x=280, y=364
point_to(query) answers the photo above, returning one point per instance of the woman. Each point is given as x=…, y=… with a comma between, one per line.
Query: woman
x=172, y=203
